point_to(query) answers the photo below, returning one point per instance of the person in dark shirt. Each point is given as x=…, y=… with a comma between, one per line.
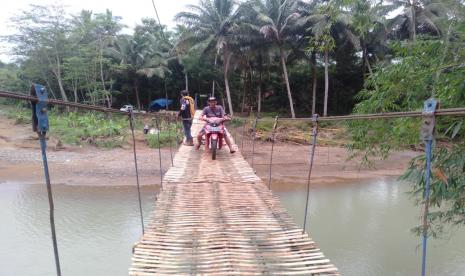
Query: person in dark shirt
x=186, y=113
x=214, y=110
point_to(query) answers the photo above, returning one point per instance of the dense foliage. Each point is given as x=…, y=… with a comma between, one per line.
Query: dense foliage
x=419, y=73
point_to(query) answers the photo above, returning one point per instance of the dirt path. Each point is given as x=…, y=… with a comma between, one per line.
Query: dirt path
x=20, y=161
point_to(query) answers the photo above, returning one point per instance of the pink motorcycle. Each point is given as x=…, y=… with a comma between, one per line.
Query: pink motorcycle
x=214, y=134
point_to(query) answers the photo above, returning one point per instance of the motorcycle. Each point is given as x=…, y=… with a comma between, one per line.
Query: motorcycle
x=214, y=134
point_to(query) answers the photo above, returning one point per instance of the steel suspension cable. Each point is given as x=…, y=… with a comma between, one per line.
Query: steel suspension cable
x=385, y=115
x=273, y=136
x=40, y=124
x=314, y=134
x=429, y=147
x=170, y=141
x=243, y=135
x=43, y=146
x=254, y=131
x=159, y=151
x=131, y=124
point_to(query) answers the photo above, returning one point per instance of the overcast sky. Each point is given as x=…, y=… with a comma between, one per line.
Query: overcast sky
x=131, y=11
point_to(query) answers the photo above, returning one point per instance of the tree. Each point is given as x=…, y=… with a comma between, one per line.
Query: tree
x=211, y=25
x=404, y=86
x=42, y=34
x=276, y=21
x=416, y=15
x=368, y=27
x=144, y=54
x=10, y=78
x=329, y=20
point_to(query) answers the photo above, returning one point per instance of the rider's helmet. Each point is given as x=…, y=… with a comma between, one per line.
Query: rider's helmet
x=212, y=99
x=184, y=93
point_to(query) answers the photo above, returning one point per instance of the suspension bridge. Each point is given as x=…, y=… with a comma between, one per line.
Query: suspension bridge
x=216, y=217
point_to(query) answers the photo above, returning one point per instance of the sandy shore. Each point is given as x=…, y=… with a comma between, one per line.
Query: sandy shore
x=20, y=161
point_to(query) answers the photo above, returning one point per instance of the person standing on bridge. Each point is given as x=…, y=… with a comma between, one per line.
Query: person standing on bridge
x=186, y=113
x=214, y=110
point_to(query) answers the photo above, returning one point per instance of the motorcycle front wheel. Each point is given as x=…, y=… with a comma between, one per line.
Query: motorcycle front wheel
x=214, y=146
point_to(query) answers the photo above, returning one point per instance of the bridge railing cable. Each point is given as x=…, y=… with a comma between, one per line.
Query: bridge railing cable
x=39, y=99
x=131, y=124
x=428, y=114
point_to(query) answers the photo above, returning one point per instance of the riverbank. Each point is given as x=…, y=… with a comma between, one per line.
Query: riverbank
x=20, y=161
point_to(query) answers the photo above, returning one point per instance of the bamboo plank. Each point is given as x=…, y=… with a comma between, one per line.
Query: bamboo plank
x=218, y=218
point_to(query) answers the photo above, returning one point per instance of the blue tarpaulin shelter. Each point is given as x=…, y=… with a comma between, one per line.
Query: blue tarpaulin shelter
x=159, y=104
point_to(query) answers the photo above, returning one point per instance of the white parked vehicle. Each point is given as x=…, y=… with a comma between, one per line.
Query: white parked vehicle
x=127, y=108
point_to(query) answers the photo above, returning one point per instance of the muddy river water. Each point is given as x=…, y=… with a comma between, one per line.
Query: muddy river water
x=363, y=228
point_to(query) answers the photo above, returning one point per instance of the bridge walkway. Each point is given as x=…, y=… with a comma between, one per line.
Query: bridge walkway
x=216, y=217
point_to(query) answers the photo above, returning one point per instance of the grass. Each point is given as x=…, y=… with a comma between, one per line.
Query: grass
x=169, y=133
x=110, y=131
x=91, y=128
x=297, y=132
x=101, y=130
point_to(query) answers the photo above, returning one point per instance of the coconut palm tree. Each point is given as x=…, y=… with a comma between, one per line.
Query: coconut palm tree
x=328, y=19
x=211, y=26
x=416, y=16
x=276, y=20
x=354, y=23
x=369, y=28
x=139, y=58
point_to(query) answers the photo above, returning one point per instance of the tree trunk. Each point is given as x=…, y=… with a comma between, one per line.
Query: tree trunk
x=137, y=93
x=325, y=111
x=286, y=78
x=243, y=92
x=259, y=100
x=75, y=94
x=213, y=82
x=367, y=61
x=187, y=81
x=166, y=94
x=227, y=59
x=102, y=78
x=414, y=21
x=314, y=77
x=62, y=89
x=60, y=81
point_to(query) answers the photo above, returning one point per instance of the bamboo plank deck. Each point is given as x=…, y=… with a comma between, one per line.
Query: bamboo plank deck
x=219, y=218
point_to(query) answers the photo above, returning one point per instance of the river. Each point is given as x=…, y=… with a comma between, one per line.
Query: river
x=362, y=228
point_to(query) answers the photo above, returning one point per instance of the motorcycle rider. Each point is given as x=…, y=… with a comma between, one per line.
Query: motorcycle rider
x=214, y=110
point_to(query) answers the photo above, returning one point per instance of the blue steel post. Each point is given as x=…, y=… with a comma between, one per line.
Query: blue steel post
x=40, y=125
x=427, y=135
x=314, y=134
